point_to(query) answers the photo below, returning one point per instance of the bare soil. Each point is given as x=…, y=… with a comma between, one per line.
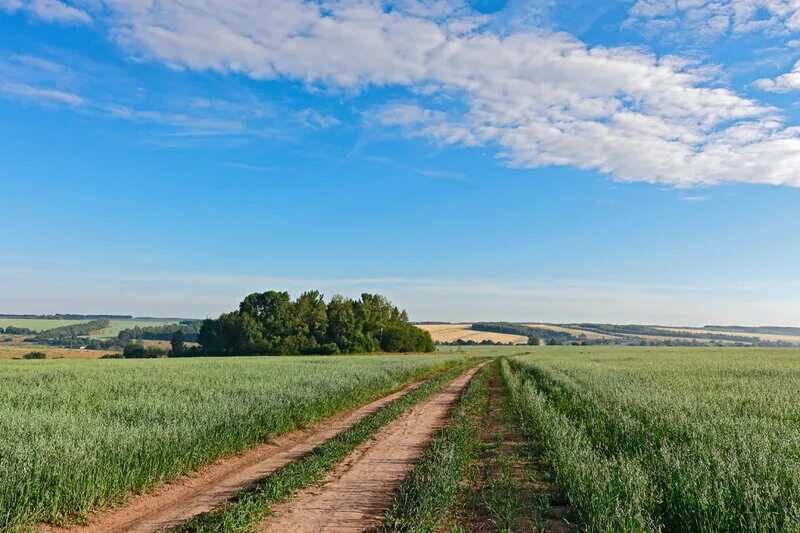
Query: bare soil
x=355, y=496
x=179, y=501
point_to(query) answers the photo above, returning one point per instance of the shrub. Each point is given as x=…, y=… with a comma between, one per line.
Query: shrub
x=35, y=355
x=134, y=351
x=113, y=356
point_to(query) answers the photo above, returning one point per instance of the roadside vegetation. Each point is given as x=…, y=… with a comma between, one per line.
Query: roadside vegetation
x=82, y=435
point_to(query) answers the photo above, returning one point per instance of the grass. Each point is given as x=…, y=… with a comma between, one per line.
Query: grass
x=81, y=435
x=254, y=504
x=429, y=491
x=668, y=439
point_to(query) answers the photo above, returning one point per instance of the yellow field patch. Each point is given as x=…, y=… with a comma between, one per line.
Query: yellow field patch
x=454, y=332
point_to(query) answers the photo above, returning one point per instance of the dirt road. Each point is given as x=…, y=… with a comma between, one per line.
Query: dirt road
x=356, y=495
x=177, y=502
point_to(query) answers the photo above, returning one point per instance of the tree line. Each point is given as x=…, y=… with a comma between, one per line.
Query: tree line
x=271, y=323
x=74, y=330
x=189, y=329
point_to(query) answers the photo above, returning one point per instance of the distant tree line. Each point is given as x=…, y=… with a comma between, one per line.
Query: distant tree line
x=534, y=334
x=472, y=342
x=633, y=329
x=189, y=329
x=74, y=330
x=760, y=330
x=270, y=323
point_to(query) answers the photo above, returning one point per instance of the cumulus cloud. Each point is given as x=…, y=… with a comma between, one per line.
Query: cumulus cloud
x=47, y=10
x=782, y=84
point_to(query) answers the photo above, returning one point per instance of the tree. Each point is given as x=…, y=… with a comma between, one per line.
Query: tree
x=342, y=329
x=134, y=351
x=177, y=343
x=309, y=321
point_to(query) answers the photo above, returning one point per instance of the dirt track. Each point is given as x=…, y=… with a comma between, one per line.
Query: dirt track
x=177, y=502
x=356, y=495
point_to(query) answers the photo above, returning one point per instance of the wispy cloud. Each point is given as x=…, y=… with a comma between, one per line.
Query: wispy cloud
x=41, y=94
x=48, y=10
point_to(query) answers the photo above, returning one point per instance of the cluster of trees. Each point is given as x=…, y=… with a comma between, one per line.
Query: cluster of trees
x=189, y=328
x=75, y=330
x=139, y=351
x=270, y=323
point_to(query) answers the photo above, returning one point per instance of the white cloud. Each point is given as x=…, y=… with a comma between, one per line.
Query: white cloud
x=782, y=84
x=40, y=94
x=541, y=98
x=714, y=18
x=47, y=10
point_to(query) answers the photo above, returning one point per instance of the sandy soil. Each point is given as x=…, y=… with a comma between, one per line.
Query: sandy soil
x=454, y=332
x=177, y=502
x=357, y=494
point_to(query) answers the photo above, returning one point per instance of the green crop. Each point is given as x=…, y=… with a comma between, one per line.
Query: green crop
x=81, y=435
x=668, y=439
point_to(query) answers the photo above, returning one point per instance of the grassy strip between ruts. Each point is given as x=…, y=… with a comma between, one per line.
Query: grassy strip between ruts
x=427, y=494
x=608, y=493
x=252, y=505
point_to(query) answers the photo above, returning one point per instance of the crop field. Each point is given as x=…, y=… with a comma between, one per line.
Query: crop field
x=454, y=332
x=520, y=438
x=667, y=439
x=116, y=325
x=81, y=435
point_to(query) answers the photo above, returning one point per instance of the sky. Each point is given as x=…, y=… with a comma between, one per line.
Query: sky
x=635, y=161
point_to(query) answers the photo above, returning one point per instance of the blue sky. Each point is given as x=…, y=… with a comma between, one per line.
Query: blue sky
x=632, y=161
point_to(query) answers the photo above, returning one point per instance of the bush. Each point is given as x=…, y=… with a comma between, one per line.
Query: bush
x=35, y=355
x=134, y=351
x=113, y=356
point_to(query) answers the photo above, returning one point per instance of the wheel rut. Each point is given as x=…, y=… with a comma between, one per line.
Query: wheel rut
x=177, y=502
x=355, y=496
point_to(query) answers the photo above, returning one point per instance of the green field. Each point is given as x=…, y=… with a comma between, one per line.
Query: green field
x=117, y=325
x=77, y=435
x=668, y=439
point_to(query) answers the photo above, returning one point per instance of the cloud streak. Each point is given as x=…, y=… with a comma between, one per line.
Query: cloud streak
x=47, y=10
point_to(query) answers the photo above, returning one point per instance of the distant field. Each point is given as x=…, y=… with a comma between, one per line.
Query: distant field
x=454, y=332
x=9, y=351
x=113, y=330
x=763, y=336
x=573, y=331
